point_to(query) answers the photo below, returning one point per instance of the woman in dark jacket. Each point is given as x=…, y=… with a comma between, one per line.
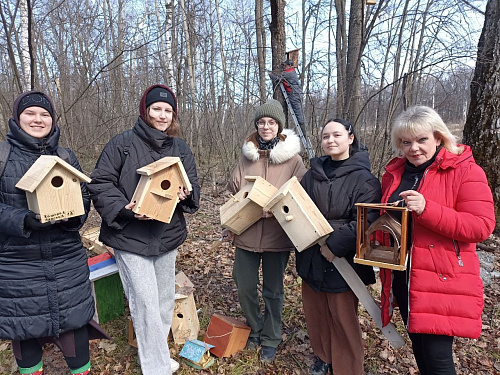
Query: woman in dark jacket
x=45, y=293
x=336, y=182
x=145, y=249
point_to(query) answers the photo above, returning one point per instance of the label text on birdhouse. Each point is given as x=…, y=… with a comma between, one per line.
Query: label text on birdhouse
x=58, y=215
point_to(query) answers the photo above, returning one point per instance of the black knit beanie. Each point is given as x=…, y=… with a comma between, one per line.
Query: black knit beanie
x=159, y=94
x=272, y=108
x=35, y=100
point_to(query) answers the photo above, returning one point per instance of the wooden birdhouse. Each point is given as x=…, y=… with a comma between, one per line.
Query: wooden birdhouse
x=297, y=214
x=294, y=56
x=383, y=243
x=196, y=353
x=156, y=193
x=371, y=2
x=245, y=208
x=227, y=334
x=185, y=323
x=53, y=188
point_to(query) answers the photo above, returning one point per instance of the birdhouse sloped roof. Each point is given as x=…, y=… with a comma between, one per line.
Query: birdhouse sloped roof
x=282, y=192
x=41, y=167
x=163, y=163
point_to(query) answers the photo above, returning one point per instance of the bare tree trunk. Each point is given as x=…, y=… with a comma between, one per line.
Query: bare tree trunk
x=328, y=84
x=481, y=130
x=278, y=42
x=341, y=51
x=166, y=41
x=191, y=70
x=352, y=98
x=25, y=53
x=10, y=50
x=229, y=95
x=260, y=32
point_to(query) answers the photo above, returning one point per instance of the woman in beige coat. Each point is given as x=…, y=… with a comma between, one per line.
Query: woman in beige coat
x=273, y=154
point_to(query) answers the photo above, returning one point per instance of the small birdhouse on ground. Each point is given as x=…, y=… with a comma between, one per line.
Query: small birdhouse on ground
x=156, y=193
x=297, y=214
x=196, y=353
x=228, y=335
x=53, y=189
x=185, y=322
x=245, y=208
x=383, y=243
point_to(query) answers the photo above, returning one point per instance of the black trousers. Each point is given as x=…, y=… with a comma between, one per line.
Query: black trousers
x=433, y=353
x=30, y=353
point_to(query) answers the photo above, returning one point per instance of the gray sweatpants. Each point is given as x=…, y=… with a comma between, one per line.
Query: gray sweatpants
x=149, y=284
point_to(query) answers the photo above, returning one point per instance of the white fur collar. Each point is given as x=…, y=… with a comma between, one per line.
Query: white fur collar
x=283, y=151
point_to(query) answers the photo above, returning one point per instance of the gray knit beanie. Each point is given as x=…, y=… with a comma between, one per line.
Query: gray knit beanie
x=272, y=108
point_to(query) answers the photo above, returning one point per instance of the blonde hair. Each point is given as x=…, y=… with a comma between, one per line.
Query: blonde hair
x=418, y=119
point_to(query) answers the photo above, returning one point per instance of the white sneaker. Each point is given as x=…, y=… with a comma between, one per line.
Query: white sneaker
x=174, y=365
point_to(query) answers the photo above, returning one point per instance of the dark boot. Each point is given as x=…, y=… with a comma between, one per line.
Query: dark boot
x=267, y=354
x=252, y=343
x=319, y=368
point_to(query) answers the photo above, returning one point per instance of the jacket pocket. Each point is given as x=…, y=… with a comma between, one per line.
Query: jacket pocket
x=444, y=258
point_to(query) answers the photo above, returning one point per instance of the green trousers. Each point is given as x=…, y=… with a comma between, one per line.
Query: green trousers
x=266, y=326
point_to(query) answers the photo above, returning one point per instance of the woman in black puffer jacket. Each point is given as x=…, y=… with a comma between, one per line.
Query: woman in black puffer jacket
x=145, y=249
x=335, y=183
x=45, y=292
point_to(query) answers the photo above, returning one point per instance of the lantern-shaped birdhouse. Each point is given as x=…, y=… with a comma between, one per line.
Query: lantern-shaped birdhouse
x=196, y=353
x=53, y=188
x=245, y=208
x=297, y=214
x=383, y=243
x=156, y=193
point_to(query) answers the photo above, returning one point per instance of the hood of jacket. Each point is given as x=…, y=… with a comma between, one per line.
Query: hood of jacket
x=287, y=147
x=357, y=161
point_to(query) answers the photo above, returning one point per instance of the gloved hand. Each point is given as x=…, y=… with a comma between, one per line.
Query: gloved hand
x=70, y=223
x=126, y=214
x=32, y=222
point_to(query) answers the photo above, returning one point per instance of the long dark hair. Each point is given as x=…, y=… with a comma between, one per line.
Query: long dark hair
x=355, y=145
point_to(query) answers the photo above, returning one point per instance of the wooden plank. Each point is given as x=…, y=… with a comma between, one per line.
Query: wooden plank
x=90, y=239
x=366, y=299
x=374, y=263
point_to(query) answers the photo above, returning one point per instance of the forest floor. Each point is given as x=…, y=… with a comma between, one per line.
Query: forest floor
x=208, y=264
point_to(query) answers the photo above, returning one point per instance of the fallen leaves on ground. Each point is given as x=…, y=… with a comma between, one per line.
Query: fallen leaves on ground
x=208, y=264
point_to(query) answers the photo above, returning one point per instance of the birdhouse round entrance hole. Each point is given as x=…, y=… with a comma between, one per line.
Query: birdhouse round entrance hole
x=245, y=194
x=180, y=316
x=165, y=184
x=57, y=181
x=285, y=209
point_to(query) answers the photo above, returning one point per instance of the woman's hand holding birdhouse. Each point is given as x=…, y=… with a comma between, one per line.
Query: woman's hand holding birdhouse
x=267, y=214
x=183, y=193
x=131, y=214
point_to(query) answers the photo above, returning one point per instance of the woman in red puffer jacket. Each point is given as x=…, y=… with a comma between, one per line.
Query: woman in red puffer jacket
x=440, y=295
